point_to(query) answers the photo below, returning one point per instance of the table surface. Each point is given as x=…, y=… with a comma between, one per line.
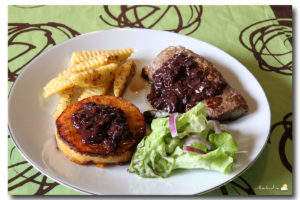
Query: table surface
x=260, y=37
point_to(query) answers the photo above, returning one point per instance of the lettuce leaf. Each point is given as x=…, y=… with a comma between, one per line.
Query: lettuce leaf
x=158, y=154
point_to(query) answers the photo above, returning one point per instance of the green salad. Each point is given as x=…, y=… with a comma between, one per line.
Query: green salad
x=186, y=141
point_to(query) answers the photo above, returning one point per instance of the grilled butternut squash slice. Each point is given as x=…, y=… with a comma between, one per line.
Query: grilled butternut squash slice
x=69, y=142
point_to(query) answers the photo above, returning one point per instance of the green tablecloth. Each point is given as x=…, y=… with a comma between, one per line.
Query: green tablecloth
x=260, y=37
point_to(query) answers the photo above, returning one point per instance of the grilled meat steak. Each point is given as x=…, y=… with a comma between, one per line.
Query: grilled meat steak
x=181, y=78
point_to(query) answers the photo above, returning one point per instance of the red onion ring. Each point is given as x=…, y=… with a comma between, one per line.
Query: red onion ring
x=217, y=125
x=198, y=139
x=192, y=149
x=172, y=123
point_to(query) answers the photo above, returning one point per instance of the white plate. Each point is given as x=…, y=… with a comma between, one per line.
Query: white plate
x=32, y=126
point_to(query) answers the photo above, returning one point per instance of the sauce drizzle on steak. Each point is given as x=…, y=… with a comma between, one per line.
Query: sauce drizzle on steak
x=178, y=85
x=222, y=102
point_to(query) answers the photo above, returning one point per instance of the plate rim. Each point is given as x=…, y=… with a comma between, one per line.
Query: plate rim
x=36, y=166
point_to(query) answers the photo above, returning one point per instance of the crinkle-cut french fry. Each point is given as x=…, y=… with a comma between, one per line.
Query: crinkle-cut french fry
x=95, y=77
x=101, y=90
x=64, y=101
x=58, y=84
x=91, y=63
x=122, y=76
x=89, y=78
x=80, y=56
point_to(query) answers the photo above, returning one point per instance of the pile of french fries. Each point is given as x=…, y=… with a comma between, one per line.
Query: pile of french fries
x=95, y=71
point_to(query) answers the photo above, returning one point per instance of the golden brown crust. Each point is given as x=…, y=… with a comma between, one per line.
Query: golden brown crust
x=69, y=141
x=83, y=159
